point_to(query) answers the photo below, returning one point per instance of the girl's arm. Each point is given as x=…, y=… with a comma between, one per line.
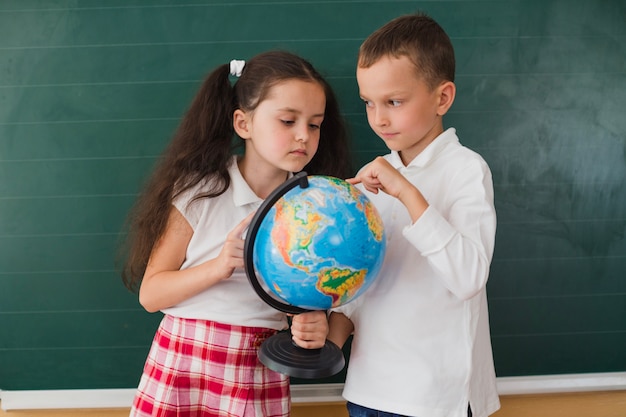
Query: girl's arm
x=165, y=285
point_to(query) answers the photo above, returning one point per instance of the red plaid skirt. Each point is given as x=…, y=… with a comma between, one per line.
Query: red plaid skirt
x=199, y=368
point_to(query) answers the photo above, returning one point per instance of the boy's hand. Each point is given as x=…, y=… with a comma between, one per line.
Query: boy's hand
x=309, y=330
x=381, y=175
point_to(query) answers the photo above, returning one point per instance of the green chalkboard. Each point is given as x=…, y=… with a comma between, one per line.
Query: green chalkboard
x=91, y=90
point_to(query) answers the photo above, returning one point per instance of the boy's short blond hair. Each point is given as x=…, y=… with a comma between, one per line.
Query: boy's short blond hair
x=419, y=38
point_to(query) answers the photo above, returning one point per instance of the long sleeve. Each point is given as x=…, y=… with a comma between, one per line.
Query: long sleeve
x=457, y=237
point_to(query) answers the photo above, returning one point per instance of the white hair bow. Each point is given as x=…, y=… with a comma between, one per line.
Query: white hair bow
x=236, y=67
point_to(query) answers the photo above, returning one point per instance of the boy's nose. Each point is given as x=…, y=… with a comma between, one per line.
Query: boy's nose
x=380, y=117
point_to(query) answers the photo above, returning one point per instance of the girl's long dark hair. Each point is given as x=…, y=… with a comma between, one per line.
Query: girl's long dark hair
x=203, y=146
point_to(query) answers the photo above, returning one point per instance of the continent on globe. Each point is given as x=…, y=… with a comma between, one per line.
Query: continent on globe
x=340, y=284
x=297, y=233
x=318, y=246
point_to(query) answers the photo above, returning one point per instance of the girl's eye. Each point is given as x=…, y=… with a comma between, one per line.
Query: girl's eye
x=314, y=126
x=288, y=122
x=368, y=103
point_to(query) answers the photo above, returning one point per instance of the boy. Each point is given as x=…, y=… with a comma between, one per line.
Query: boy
x=421, y=342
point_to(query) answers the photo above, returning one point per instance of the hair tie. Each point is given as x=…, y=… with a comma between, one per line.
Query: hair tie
x=236, y=67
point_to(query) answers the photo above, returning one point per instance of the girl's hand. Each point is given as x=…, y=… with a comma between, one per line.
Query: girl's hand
x=165, y=285
x=309, y=330
x=231, y=256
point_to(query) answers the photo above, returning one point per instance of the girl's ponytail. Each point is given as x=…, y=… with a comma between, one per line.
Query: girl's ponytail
x=203, y=144
x=201, y=148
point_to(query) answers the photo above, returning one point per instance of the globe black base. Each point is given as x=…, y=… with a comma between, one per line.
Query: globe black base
x=281, y=354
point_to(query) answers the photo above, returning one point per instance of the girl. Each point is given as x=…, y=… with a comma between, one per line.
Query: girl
x=185, y=247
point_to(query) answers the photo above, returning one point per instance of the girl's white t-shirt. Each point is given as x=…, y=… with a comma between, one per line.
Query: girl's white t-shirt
x=231, y=301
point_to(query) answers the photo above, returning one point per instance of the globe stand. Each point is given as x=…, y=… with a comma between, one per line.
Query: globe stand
x=279, y=353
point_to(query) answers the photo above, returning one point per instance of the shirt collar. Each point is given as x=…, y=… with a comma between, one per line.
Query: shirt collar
x=427, y=155
x=242, y=193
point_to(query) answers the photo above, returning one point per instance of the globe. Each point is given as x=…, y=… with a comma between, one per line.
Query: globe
x=318, y=245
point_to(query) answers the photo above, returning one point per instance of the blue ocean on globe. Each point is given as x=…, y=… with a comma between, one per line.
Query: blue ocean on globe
x=320, y=246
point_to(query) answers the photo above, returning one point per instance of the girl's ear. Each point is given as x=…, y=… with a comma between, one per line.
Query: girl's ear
x=447, y=91
x=241, y=124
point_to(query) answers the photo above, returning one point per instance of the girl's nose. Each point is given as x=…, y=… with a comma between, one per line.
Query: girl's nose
x=302, y=134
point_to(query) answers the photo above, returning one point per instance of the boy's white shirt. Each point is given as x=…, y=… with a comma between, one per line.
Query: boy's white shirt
x=421, y=343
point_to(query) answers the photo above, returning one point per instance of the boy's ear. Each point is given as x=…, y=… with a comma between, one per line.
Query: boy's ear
x=241, y=124
x=447, y=91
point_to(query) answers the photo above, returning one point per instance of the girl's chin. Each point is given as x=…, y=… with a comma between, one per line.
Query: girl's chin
x=297, y=164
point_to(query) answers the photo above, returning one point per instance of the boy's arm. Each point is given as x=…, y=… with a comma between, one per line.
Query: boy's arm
x=340, y=328
x=459, y=246
x=380, y=175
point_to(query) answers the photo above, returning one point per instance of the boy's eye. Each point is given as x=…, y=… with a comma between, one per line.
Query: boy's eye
x=395, y=103
x=288, y=122
x=368, y=103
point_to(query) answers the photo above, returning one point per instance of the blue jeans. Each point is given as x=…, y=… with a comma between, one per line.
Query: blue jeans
x=355, y=410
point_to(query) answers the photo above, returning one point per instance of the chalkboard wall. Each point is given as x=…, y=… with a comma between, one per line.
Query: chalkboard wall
x=91, y=91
